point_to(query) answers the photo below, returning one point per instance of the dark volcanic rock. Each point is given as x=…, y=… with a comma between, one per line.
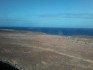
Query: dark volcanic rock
x=6, y=66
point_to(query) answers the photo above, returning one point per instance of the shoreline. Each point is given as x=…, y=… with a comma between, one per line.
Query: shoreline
x=45, y=33
x=32, y=51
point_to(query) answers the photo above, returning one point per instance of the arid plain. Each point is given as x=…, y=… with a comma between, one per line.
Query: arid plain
x=38, y=51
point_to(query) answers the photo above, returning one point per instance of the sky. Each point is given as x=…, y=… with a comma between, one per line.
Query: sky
x=46, y=13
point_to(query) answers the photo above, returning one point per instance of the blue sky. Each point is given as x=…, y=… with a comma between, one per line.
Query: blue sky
x=47, y=13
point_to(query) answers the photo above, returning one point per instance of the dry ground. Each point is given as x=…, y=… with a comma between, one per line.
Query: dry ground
x=37, y=51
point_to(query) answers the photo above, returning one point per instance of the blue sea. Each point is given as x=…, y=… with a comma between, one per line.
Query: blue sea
x=57, y=31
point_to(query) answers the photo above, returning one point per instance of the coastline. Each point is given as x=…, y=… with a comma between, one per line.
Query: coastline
x=56, y=31
x=33, y=51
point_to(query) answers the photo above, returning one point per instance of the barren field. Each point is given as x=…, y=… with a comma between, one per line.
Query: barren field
x=38, y=51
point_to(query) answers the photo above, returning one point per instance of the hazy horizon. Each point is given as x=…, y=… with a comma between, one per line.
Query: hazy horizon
x=46, y=13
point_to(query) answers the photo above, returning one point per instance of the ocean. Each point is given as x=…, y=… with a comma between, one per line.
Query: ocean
x=57, y=31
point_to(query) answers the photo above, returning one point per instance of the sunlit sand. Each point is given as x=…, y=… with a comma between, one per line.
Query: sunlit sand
x=38, y=51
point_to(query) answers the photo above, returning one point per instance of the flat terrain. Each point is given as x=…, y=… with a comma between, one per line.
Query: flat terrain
x=38, y=51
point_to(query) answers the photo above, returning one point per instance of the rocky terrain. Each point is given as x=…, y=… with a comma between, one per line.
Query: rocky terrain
x=38, y=51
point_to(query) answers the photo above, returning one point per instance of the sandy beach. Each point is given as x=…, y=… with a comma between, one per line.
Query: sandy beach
x=28, y=50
